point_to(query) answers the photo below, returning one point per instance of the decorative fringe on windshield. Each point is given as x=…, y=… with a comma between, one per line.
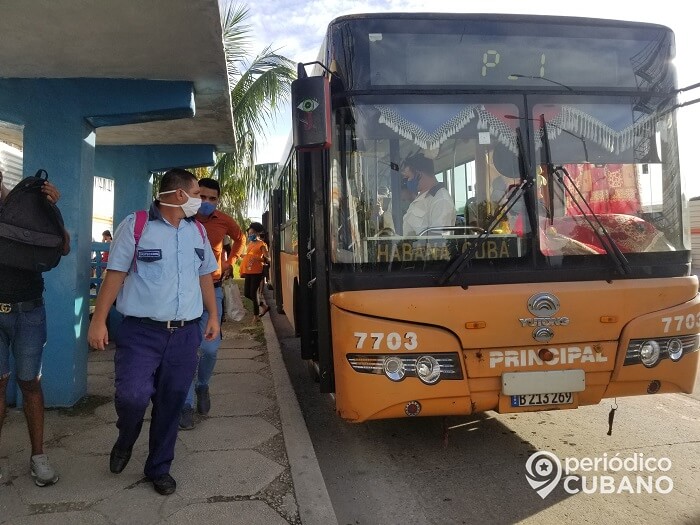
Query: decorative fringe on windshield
x=569, y=118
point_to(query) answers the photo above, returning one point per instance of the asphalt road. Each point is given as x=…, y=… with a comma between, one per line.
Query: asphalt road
x=473, y=469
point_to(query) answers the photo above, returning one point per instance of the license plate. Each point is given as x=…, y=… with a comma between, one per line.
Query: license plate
x=528, y=400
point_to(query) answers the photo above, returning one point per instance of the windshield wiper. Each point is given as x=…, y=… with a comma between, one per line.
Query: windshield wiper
x=511, y=197
x=607, y=242
x=514, y=76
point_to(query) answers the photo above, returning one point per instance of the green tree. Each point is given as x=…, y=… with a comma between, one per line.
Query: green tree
x=259, y=87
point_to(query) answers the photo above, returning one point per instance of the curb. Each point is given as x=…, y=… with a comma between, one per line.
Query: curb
x=313, y=501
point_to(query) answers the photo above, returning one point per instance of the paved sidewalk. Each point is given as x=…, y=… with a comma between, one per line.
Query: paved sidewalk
x=249, y=462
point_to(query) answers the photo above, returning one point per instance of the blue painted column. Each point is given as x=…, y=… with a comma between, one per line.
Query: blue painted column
x=67, y=153
x=59, y=118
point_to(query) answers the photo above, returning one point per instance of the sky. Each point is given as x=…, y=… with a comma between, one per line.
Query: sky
x=296, y=29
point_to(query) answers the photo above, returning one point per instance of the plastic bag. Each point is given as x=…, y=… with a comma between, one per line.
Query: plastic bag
x=232, y=301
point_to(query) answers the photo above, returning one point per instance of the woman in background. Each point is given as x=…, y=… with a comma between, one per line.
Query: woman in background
x=252, y=267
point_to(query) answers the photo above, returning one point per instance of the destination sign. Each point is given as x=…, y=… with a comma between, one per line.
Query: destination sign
x=407, y=249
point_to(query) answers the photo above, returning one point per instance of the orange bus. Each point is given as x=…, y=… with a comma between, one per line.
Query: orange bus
x=535, y=257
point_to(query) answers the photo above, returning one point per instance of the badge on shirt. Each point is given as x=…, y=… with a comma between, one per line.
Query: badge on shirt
x=149, y=255
x=200, y=253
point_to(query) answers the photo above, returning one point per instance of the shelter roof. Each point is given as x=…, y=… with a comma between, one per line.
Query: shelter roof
x=126, y=39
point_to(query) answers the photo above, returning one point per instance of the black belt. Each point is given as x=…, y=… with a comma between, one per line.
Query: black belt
x=168, y=325
x=24, y=306
x=217, y=284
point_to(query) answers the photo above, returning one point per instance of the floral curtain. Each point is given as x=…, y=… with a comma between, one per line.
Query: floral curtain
x=611, y=188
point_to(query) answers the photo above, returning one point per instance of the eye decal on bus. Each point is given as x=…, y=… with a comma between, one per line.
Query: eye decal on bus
x=308, y=104
x=392, y=341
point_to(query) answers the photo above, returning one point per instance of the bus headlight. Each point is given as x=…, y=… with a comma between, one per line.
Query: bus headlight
x=394, y=369
x=428, y=369
x=649, y=353
x=675, y=349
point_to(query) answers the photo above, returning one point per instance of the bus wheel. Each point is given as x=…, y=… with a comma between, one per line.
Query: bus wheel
x=312, y=367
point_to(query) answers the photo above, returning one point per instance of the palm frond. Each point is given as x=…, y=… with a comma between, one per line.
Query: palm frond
x=236, y=37
x=258, y=89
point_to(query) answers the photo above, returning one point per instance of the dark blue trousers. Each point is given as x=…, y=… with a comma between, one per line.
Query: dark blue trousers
x=158, y=365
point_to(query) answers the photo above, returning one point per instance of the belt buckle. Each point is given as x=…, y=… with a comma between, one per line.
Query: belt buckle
x=5, y=308
x=178, y=324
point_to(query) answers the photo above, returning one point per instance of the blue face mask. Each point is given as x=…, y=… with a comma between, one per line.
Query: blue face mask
x=252, y=237
x=207, y=208
x=412, y=184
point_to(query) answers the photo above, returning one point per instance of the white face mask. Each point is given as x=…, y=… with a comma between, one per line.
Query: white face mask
x=190, y=207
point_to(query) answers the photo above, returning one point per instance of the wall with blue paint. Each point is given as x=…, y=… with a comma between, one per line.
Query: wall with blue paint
x=59, y=118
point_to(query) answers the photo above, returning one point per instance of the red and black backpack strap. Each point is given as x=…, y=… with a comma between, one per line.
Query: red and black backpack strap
x=140, y=220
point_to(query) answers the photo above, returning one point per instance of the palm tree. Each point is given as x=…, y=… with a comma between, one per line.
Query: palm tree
x=258, y=89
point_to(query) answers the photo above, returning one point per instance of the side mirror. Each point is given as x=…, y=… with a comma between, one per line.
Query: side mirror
x=311, y=113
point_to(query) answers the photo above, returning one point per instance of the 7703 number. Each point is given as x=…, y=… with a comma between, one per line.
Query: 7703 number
x=680, y=322
x=393, y=340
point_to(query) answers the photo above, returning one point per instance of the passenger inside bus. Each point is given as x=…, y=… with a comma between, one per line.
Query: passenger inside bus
x=387, y=220
x=433, y=208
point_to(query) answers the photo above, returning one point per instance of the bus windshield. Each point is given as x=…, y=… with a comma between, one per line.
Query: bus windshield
x=608, y=171
x=617, y=163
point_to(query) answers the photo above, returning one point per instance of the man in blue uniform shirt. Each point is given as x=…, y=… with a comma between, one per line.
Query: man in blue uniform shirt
x=160, y=284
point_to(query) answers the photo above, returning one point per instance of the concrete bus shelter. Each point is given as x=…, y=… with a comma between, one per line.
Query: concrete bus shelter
x=117, y=89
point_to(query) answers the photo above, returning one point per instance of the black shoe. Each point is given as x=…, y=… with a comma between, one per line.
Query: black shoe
x=187, y=418
x=164, y=484
x=118, y=459
x=203, y=399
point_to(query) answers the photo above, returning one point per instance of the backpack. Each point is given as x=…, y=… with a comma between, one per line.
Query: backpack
x=31, y=227
x=140, y=220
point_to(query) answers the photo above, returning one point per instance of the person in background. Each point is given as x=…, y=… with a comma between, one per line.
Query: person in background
x=382, y=207
x=265, y=237
x=23, y=332
x=160, y=282
x=218, y=226
x=252, y=268
x=405, y=200
x=266, y=271
x=433, y=207
x=106, y=237
x=226, y=254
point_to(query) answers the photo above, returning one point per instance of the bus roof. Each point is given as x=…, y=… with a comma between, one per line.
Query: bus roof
x=503, y=17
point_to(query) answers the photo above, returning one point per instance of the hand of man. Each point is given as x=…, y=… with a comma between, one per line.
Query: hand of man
x=212, y=329
x=51, y=192
x=227, y=272
x=97, y=336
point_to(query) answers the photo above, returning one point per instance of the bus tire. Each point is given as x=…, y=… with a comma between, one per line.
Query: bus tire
x=312, y=367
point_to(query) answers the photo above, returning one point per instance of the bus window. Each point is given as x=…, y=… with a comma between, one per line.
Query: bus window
x=611, y=168
x=456, y=145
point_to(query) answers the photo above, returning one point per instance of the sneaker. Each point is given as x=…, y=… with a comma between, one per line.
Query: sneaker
x=187, y=418
x=42, y=471
x=203, y=399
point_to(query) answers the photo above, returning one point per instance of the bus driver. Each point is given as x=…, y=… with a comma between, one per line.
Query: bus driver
x=433, y=206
